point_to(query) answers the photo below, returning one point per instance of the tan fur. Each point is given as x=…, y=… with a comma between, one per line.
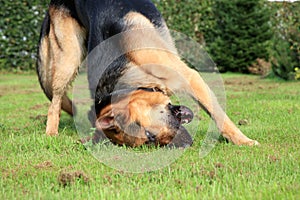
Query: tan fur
x=136, y=107
x=61, y=54
x=164, y=59
x=136, y=21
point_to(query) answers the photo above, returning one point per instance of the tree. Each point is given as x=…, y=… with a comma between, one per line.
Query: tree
x=241, y=34
x=191, y=17
x=286, y=41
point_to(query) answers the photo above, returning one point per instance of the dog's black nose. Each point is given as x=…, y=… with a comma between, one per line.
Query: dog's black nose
x=151, y=137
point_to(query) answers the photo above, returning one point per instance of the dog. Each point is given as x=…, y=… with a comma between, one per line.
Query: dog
x=139, y=110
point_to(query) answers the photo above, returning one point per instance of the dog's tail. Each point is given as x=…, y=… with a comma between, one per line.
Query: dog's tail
x=44, y=66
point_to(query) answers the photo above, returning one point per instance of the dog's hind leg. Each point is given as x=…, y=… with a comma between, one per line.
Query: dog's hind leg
x=60, y=54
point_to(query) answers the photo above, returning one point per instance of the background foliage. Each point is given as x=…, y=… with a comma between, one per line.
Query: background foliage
x=20, y=23
x=19, y=30
x=286, y=41
x=191, y=17
x=240, y=35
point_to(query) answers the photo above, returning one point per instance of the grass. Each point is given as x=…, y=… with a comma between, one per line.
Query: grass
x=33, y=166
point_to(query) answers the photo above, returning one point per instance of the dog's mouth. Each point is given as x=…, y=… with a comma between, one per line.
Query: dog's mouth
x=182, y=114
x=179, y=115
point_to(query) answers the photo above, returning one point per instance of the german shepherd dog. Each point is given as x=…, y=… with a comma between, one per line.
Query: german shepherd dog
x=143, y=112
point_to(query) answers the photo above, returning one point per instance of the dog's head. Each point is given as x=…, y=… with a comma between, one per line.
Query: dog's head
x=143, y=117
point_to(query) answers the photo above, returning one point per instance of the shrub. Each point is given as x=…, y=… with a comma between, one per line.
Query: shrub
x=191, y=17
x=19, y=32
x=233, y=47
x=241, y=34
x=286, y=41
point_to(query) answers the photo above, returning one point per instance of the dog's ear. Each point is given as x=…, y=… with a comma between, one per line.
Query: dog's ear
x=111, y=120
x=105, y=121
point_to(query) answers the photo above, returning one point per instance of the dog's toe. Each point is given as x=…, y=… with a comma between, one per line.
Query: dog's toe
x=250, y=143
x=255, y=143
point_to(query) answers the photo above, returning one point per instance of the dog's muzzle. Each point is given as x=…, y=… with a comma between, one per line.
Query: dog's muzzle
x=182, y=113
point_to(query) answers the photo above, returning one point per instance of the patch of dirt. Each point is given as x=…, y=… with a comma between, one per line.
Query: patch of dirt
x=212, y=174
x=238, y=82
x=7, y=89
x=43, y=165
x=16, y=89
x=199, y=188
x=9, y=173
x=273, y=158
x=39, y=118
x=30, y=91
x=39, y=106
x=108, y=179
x=219, y=165
x=249, y=84
x=68, y=178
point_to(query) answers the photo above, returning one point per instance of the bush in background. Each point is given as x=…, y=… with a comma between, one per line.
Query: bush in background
x=240, y=35
x=286, y=41
x=194, y=18
x=234, y=32
x=19, y=31
x=21, y=20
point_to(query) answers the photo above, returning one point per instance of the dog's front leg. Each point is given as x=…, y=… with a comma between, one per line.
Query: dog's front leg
x=54, y=115
x=168, y=69
x=193, y=83
x=176, y=75
x=209, y=102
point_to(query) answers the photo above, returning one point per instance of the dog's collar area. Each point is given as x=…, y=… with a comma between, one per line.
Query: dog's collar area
x=106, y=99
x=126, y=91
x=155, y=89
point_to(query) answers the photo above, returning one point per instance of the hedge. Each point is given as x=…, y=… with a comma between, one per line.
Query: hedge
x=19, y=32
x=21, y=20
x=286, y=41
x=20, y=23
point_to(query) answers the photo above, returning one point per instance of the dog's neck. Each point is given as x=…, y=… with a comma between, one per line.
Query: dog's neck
x=107, y=99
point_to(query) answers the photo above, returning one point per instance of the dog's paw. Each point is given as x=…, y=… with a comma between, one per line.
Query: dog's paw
x=254, y=143
x=51, y=128
x=240, y=139
x=249, y=143
x=51, y=133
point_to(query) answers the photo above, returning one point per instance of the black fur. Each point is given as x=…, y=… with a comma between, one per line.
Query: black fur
x=104, y=16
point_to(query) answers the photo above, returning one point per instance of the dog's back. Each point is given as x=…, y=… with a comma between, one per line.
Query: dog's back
x=91, y=22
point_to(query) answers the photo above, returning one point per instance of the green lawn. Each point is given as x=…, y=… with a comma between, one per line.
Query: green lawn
x=33, y=166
